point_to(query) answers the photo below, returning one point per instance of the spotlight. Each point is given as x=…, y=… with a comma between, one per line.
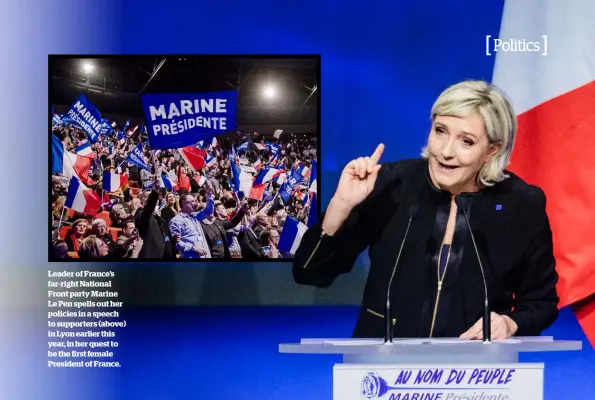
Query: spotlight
x=269, y=92
x=88, y=67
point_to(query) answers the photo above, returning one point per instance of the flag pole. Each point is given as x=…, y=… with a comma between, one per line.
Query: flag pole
x=61, y=217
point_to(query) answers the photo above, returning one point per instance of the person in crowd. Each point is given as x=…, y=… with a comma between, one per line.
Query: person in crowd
x=129, y=231
x=183, y=179
x=215, y=226
x=146, y=178
x=135, y=204
x=262, y=222
x=58, y=189
x=231, y=206
x=59, y=214
x=93, y=248
x=118, y=215
x=250, y=243
x=158, y=240
x=269, y=239
x=76, y=234
x=110, y=154
x=99, y=229
x=186, y=224
x=214, y=181
x=60, y=250
x=171, y=208
x=128, y=237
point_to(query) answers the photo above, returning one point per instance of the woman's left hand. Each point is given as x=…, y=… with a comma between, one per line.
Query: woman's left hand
x=502, y=327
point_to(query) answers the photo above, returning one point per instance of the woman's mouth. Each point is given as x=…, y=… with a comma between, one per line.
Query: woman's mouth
x=447, y=167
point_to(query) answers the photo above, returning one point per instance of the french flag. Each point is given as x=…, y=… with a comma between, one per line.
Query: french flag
x=273, y=148
x=200, y=179
x=305, y=171
x=84, y=149
x=82, y=199
x=211, y=161
x=291, y=236
x=242, y=181
x=554, y=96
x=301, y=196
x=258, y=165
x=267, y=174
x=70, y=164
x=313, y=189
x=258, y=186
x=194, y=157
x=243, y=147
x=113, y=182
x=167, y=183
x=131, y=131
x=57, y=119
x=281, y=178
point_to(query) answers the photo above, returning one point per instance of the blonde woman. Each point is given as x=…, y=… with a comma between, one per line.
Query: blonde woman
x=93, y=248
x=57, y=210
x=171, y=208
x=438, y=286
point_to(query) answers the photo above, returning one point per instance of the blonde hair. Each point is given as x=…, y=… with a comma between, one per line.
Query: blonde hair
x=89, y=247
x=58, y=206
x=485, y=99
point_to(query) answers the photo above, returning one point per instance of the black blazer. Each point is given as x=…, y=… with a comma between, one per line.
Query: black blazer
x=250, y=245
x=157, y=239
x=511, y=230
x=221, y=227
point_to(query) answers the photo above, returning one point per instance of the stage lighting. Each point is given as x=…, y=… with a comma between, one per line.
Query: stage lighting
x=269, y=91
x=88, y=67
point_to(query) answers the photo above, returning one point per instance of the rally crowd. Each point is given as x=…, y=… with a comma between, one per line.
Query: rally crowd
x=173, y=210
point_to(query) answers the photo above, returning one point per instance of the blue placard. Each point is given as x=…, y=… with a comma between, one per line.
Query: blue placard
x=183, y=119
x=137, y=157
x=293, y=178
x=85, y=115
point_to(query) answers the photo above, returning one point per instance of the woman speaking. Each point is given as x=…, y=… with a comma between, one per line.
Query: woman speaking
x=459, y=224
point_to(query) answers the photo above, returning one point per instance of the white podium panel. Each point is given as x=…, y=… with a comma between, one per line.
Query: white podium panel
x=438, y=382
x=434, y=369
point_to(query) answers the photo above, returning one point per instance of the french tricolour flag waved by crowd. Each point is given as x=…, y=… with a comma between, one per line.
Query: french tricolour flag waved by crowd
x=183, y=183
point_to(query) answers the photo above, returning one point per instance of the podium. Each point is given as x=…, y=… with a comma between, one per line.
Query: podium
x=434, y=369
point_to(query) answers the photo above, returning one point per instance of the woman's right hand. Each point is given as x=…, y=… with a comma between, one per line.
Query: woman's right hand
x=358, y=179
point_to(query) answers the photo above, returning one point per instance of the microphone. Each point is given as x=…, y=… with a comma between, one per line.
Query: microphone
x=486, y=310
x=388, y=333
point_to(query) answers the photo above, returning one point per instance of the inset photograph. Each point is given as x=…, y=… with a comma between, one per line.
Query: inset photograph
x=165, y=158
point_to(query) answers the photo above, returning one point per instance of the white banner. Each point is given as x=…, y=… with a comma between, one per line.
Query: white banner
x=438, y=382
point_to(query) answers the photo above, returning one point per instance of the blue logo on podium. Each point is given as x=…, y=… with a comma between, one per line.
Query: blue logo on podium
x=373, y=386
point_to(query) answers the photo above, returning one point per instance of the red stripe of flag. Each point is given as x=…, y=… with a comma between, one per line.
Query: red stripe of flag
x=554, y=149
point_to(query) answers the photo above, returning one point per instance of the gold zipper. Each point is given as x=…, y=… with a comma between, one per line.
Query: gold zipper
x=313, y=251
x=380, y=315
x=440, y=279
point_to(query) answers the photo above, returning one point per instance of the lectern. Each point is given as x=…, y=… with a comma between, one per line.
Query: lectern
x=434, y=369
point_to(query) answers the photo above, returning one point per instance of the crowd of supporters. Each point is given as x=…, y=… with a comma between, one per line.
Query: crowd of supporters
x=172, y=210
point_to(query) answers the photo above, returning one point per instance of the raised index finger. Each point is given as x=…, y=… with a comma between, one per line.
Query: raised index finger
x=377, y=154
